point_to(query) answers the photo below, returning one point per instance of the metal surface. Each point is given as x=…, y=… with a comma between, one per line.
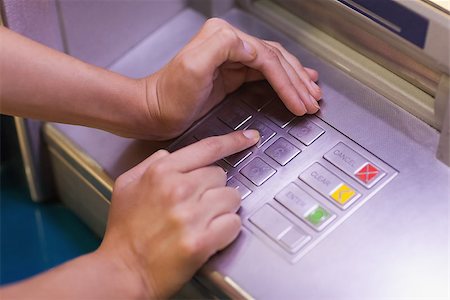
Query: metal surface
x=379, y=44
x=336, y=53
x=100, y=32
x=396, y=245
x=266, y=177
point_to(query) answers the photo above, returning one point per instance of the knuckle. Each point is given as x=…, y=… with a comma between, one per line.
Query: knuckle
x=192, y=246
x=161, y=153
x=187, y=65
x=181, y=191
x=180, y=218
x=277, y=45
x=228, y=35
x=215, y=23
x=120, y=182
x=271, y=53
x=157, y=169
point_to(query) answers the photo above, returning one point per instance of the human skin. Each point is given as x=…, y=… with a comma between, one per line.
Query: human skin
x=171, y=212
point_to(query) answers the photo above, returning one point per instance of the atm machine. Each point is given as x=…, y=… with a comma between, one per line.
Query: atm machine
x=379, y=229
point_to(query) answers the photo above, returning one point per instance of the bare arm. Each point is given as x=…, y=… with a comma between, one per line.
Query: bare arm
x=98, y=275
x=42, y=83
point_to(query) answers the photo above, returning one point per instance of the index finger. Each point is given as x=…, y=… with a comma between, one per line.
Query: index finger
x=212, y=149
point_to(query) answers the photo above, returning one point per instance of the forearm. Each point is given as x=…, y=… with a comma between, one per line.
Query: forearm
x=92, y=276
x=41, y=83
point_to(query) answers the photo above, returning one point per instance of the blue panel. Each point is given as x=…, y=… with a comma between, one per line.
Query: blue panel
x=394, y=17
x=35, y=237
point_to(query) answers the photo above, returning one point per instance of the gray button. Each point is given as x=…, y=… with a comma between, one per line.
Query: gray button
x=282, y=151
x=234, y=116
x=279, y=228
x=257, y=171
x=354, y=164
x=271, y=222
x=225, y=167
x=296, y=200
x=306, y=131
x=235, y=159
x=265, y=132
x=278, y=113
x=257, y=103
x=258, y=94
x=242, y=189
x=293, y=239
x=183, y=143
x=213, y=128
x=326, y=183
x=320, y=179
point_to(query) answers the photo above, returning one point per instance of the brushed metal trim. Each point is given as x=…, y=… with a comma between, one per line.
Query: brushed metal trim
x=25, y=151
x=437, y=6
x=373, y=75
x=98, y=225
x=226, y=284
x=84, y=164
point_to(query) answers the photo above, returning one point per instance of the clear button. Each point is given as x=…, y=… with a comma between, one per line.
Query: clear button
x=329, y=185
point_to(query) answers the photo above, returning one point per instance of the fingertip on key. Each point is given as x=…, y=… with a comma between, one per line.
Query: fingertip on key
x=317, y=91
x=251, y=134
x=314, y=102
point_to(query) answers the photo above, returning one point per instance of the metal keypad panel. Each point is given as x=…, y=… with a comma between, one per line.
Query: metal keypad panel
x=301, y=180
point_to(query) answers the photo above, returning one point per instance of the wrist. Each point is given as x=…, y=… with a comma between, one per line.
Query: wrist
x=122, y=273
x=166, y=120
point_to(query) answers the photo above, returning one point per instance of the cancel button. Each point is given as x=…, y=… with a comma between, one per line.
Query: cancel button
x=345, y=158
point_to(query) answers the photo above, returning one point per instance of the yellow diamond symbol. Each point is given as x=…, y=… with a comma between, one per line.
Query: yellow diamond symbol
x=343, y=193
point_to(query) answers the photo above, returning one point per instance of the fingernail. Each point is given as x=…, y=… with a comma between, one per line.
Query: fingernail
x=248, y=47
x=251, y=134
x=315, y=86
x=304, y=110
x=314, y=102
x=317, y=89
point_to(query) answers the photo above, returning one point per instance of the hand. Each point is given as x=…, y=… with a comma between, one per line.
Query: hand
x=172, y=212
x=216, y=62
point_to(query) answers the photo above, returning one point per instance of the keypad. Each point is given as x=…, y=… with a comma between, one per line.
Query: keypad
x=282, y=151
x=264, y=131
x=278, y=113
x=216, y=128
x=234, y=116
x=239, y=186
x=301, y=180
x=306, y=131
x=258, y=171
x=235, y=159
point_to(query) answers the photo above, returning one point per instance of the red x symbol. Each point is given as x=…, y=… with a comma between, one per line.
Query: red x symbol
x=367, y=173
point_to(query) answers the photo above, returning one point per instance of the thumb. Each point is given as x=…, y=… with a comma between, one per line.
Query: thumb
x=223, y=45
